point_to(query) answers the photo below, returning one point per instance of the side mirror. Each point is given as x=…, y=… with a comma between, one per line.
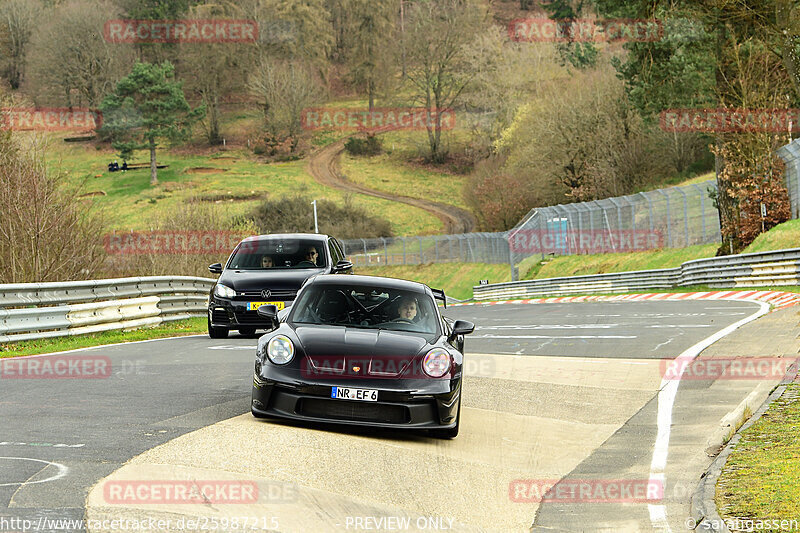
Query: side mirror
x=463, y=327
x=342, y=267
x=216, y=268
x=270, y=313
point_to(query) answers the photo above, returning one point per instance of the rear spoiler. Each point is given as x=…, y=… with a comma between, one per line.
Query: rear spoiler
x=438, y=294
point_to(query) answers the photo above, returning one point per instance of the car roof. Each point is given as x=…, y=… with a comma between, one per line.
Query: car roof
x=368, y=281
x=312, y=236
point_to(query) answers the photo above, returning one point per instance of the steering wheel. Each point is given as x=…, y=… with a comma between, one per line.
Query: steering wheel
x=403, y=321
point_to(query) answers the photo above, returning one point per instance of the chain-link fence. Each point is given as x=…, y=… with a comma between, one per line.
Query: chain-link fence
x=465, y=248
x=674, y=217
x=665, y=218
x=791, y=156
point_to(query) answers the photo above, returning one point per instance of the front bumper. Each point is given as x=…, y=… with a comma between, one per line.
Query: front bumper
x=233, y=314
x=431, y=405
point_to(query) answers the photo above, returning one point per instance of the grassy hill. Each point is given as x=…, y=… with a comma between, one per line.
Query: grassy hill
x=232, y=180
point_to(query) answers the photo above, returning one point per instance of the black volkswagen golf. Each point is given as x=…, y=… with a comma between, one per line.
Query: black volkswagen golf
x=268, y=269
x=362, y=350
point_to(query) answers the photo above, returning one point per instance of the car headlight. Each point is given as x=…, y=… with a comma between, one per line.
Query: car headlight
x=436, y=363
x=223, y=291
x=280, y=349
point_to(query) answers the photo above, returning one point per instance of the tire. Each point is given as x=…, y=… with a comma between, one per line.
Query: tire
x=217, y=333
x=247, y=331
x=449, y=433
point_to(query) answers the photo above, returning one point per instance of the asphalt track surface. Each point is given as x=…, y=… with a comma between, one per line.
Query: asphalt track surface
x=61, y=436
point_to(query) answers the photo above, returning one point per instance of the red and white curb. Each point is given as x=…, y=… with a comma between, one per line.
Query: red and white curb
x=777, y=299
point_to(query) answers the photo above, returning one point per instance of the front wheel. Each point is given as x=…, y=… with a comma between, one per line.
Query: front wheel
x=217, y=333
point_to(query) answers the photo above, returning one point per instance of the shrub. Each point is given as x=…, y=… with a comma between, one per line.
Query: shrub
x=295, y=214
x=368, y=147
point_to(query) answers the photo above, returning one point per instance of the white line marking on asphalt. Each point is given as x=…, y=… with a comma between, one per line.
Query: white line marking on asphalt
x=662, y=344
x=108, y=346
x=231, y=347
x=554, y=326
x=62, y=471
x=554, y=337
x=666, y=400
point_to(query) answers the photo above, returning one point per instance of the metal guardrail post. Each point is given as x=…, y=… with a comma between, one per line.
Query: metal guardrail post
x=685, y=213
x=669, y=219
x=385, y=252
x=702, y=208
x=366, y=255
x=419, y=239
x=404, y=250
x=649, y=208
x=542, y=229
x=619, y=213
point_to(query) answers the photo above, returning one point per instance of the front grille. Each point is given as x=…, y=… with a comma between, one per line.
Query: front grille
x=249, y=317
x=345, y=410
x=275, y=294
x=218, y=316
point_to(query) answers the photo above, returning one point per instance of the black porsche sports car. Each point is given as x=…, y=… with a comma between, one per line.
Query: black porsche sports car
x=268, y=269
x=362, y=350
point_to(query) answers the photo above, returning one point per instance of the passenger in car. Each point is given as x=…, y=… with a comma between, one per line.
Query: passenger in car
x=266, y=261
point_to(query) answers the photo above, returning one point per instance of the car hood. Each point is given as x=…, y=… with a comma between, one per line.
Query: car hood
x=248, y=280
x=374, y=353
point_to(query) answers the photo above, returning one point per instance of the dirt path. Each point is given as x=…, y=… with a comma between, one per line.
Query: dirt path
x=323, y=165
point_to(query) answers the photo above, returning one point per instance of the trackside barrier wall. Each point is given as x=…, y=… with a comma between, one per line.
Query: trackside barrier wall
x=764, y=269
x=31, y=311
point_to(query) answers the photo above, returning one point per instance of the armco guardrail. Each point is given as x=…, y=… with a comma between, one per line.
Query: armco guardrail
x=41, y=310
x=765, y=269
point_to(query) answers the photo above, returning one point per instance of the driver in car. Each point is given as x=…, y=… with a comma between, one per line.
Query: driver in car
x=406, y=309
x=310, y=259
x=266, y=261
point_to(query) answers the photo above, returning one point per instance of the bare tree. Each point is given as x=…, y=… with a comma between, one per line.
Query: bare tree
x=437, y=33
x=71, y=63
x=48, y=233
x=283, y=89
x=17, y=20
x=214, y=71
x=585, y=136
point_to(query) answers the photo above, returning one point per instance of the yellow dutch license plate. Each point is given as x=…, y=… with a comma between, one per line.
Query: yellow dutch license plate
x=252, y=306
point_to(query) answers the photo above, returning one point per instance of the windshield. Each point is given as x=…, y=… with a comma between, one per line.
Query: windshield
x=366, y=307
x=278, y=253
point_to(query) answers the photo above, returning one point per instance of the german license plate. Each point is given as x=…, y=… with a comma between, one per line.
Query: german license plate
x=252, y=306
x=347, y=393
